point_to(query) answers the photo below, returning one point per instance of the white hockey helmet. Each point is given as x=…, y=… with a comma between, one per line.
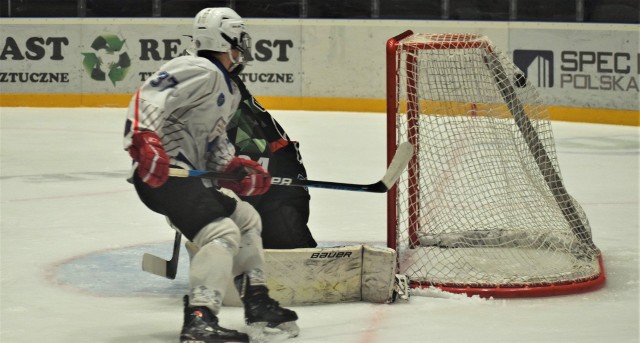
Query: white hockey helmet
x=221, y=29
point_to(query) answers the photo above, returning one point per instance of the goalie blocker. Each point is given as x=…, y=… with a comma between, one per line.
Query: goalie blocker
x=309, y=276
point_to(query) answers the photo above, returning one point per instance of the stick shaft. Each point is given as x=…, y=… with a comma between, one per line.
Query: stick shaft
x=397, y=165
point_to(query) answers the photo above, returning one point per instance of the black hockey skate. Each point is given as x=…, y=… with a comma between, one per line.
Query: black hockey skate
x=201, y=326
x=263, y=315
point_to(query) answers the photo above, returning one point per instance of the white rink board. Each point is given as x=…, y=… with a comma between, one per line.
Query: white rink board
x=314, y=58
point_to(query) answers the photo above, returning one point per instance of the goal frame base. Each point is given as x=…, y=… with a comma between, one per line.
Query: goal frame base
x=525, y=291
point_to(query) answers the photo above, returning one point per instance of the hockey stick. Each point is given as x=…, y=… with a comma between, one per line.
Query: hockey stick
x=161, y=267
x=396, y=167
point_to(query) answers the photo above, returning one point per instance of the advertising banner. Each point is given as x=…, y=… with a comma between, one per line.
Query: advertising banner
x=586, y=67
x=115, y=55
x=573, y=65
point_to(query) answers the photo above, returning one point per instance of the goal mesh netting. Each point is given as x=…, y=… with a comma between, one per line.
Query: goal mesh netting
x=482, y=208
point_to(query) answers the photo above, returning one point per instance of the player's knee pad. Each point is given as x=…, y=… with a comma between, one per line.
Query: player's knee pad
x=223, y=231
x=251, y=255
x=247, y=218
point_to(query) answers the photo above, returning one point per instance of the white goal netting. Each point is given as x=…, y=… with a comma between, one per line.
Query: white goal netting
x=482, y=204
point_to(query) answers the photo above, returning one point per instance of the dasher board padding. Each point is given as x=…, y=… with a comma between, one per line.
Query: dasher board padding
x=326, y=275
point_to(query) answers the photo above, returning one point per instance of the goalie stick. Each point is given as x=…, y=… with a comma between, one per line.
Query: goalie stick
x=396, y=167
x=161, y=267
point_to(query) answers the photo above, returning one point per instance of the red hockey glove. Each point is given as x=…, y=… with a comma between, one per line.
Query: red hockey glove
x=256, y=181
x=153, y=162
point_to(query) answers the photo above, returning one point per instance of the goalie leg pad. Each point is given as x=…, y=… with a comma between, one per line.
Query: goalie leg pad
x=378, y=274
x=310, y=276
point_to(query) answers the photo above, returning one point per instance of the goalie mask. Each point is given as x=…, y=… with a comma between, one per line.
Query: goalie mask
x=221, y=29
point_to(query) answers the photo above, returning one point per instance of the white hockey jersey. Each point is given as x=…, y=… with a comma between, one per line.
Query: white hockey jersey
x=188, y=103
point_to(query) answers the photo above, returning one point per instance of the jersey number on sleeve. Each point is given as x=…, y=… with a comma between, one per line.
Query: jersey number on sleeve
x=165, y=79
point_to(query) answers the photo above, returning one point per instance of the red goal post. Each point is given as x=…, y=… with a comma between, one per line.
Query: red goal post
x=482, y=208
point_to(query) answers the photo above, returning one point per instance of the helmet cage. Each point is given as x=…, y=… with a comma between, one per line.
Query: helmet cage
x=244, y=47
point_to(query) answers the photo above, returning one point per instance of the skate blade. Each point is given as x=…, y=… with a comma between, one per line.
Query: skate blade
x=291, y=329
x=263, y=333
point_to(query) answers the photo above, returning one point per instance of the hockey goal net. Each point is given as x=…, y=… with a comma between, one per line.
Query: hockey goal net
x=482, y=208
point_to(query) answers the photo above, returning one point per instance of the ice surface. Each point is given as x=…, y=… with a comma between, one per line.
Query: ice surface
x=73, y=233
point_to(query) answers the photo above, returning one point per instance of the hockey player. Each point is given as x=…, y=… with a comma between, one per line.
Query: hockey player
x=178, y=118
x=284, y=210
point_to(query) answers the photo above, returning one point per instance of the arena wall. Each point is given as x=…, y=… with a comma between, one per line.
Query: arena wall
x=584, y=72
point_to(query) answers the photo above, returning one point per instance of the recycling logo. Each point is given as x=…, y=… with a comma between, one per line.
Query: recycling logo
x=107, y=60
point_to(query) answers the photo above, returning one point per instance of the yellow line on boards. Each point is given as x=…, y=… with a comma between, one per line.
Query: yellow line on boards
x=572, y=114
